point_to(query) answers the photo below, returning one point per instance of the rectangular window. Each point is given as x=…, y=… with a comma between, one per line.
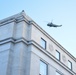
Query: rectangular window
x=43, y=43
x=43, y=68
x=70, y=64
x=58, y=55
x=57, y=73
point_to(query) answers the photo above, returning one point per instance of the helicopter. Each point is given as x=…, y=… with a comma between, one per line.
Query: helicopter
x=53, y=25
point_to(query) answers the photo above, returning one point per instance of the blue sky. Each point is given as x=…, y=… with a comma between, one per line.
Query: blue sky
x=60, y=11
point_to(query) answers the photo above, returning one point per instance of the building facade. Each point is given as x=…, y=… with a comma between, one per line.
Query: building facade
x=26, y=49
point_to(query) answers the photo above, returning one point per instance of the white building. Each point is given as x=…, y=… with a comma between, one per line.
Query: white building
x=26, y=49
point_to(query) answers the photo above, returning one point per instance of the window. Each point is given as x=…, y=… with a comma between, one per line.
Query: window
x=57, y=73
x=43, y=68
x=58, y=55
x=69, y=64
x=43, y=43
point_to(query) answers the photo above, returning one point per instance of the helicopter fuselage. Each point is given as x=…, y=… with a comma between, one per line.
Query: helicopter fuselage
x=53, y=25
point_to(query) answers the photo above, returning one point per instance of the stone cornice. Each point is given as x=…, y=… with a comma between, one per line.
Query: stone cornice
x=15, y=18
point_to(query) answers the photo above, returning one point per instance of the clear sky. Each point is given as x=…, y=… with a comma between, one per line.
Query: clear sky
x=60, y=11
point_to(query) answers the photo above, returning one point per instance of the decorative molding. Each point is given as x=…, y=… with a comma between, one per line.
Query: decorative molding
x=64, y=58
x=51, y=47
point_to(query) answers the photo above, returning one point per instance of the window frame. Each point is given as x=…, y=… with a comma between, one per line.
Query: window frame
x=57, y=52
x=58, y=72
x=44, y=43
x=69, y=62
x=46, y=66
